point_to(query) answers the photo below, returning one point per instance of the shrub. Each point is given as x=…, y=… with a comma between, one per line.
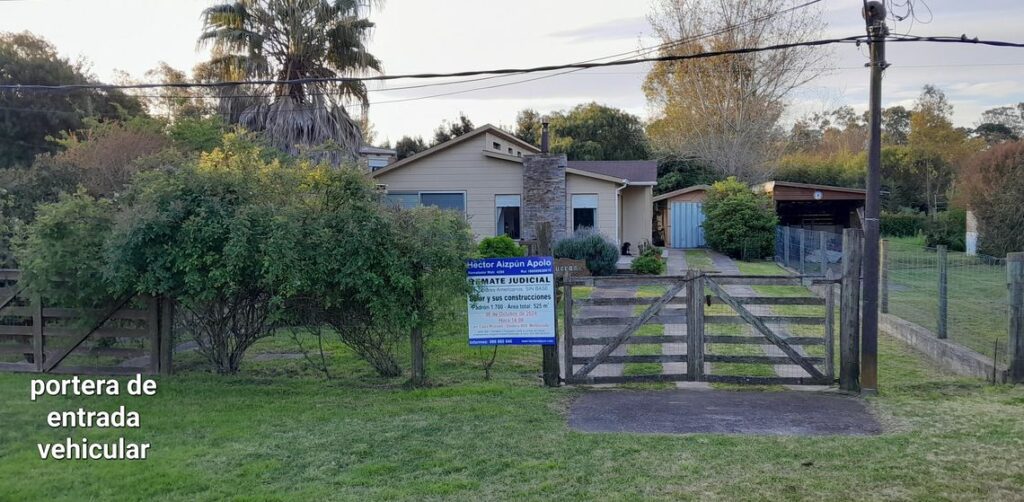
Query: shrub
x=902, y=224
x=737, y=219
x=587, y=244
x=947, y=229
x=649, y=264
x=62, y=251
x=501, y=246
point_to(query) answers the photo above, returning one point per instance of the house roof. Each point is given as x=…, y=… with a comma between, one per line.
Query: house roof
x=486, y=128
x=770, y=187
x=681, y=191
x=375, y=150
x=634, y=171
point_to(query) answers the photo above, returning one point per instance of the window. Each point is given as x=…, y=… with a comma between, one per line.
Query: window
x=376, y=163
x=507, y=209
x=495, y=145
x=455, y=201
x=584, y=211
x=510, y=150
x=403, y=200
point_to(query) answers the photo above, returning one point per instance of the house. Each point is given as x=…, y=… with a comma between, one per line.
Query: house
x=505, y=185
x=377, y=158
x=679, y=215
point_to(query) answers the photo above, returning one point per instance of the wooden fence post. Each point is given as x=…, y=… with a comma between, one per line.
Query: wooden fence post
x=803, y=250
x=785, y=246
x=153, y=327
x=166, y=336
x=567, y=323
x=943, y=293
x=884, y=266
x=849, y=330
x=418, y=373
x=1015, y=284
x=37, y=331
x=830, y=313
x=549, y=353
x=822, y=252
x=695, y=326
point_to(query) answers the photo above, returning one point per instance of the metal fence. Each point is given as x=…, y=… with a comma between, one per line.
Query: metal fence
x=809, y=252
x=960, y=298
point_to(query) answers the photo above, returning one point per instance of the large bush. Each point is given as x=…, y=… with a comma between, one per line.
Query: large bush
x=649, y=261
x=947, y=229
x=902, y=224
x=501, y=246
x=588, y=244
x=992, y=184
x=62, y=251
x=738, y=220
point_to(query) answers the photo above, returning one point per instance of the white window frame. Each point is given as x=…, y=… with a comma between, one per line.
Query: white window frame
x=573, y=207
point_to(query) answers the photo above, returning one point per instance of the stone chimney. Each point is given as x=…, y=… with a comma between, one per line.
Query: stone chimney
x=544, y=194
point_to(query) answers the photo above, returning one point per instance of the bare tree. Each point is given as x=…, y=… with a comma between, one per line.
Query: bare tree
x=726, y=110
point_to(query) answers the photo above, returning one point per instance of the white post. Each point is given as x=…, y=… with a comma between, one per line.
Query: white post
x=972, y=234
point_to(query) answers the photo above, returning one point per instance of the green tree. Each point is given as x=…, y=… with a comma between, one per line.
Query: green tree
x=936, y=147
x=294, y=40
x=992, y=184
x=588, y=132
x=739, y=221
x=408, y=146
x=675, y=173
x=449, y=130
x=27, y=119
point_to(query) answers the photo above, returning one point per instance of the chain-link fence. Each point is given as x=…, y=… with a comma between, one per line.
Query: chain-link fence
x=809, y=252
x=961, y=298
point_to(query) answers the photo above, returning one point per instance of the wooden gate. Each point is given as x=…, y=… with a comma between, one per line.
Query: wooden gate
x=705, y=328
x=129, y=336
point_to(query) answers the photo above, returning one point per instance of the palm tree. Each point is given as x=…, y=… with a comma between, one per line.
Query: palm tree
x=291, y=40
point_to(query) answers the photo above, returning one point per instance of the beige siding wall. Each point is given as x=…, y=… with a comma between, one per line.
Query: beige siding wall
x=637, y=214
x=606, y=204
x=462, y=168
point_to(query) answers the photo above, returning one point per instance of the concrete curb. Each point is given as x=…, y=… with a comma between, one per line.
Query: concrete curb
x=949, y=355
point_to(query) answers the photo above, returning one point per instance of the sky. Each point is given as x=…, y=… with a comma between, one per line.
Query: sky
x=417, y=36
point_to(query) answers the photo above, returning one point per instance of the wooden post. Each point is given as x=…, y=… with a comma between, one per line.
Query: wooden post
x=37, y=331
x=884, y=264
x=567, y=322
x=849, y=330
x=166, y=336
x=418, y=373
x=1015, y=284
x=943, y=330
x=695, y=327
x=153, y=327
x=549, y=353
x=822, y=254
x=803, y=250
x=785, y=246
x=830, y=308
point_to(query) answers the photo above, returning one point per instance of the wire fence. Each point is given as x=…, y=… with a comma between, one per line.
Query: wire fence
x=959, y=297
x=809, y=252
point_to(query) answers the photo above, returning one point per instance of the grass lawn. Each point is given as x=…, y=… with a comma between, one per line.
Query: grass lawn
x=277, y=432
x=977, y=294
x=760, y=268
x=698, y=259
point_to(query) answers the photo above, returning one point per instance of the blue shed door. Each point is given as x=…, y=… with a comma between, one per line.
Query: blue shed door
x=687, y=218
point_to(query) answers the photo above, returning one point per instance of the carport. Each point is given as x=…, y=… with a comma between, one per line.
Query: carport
x=815, y=207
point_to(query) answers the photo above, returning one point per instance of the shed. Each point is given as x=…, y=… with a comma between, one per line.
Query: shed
x=679, y=216
x=815, y=207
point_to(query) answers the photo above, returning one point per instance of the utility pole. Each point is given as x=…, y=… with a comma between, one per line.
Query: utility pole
x=874, y=16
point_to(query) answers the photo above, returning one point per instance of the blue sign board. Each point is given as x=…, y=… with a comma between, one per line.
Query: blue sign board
x=514, y=301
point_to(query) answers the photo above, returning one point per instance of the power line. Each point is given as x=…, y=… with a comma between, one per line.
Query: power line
x=506, y=71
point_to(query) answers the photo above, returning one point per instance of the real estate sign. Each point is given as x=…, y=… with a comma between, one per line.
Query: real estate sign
x=514, y=301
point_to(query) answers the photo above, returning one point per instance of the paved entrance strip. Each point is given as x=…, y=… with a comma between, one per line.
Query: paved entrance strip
x=722, y=412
